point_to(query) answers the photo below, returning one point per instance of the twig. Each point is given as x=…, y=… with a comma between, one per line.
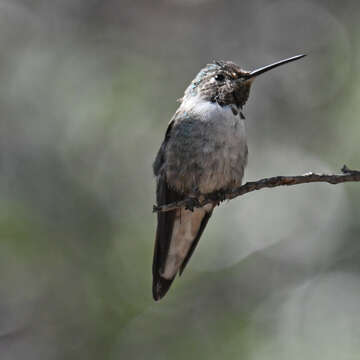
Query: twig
x=216, y=197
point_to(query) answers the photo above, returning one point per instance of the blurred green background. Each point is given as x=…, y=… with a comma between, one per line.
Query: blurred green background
x=87, y=89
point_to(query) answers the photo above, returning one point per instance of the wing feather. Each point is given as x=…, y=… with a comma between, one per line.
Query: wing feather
x=178, y=232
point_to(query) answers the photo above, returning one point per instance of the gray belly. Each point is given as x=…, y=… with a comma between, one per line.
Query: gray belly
x=205, y=156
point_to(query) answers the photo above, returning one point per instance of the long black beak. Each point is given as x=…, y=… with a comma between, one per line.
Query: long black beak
x=266, y=68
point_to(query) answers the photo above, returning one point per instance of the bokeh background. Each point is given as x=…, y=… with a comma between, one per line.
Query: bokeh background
x=87, y=89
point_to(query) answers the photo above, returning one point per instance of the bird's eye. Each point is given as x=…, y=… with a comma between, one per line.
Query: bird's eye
x=219, y=77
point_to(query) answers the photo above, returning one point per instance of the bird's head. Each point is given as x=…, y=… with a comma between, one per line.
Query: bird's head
x=226, y=83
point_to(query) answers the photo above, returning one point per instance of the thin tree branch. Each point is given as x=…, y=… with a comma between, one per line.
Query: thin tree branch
x=216, y=197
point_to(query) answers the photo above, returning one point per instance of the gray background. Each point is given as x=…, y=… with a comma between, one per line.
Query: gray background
x=87, y=89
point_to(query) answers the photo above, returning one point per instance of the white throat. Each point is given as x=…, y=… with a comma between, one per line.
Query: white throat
x=207, y=110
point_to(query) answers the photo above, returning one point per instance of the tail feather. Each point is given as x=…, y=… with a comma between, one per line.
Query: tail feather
x=195, y=242
x=163, y=237
x=178, y=232
x=161, y=287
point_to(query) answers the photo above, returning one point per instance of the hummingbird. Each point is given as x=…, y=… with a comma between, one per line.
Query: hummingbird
x=204, y=151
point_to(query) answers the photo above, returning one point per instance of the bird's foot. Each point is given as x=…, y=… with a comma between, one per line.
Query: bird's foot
x=222, y=195
x=218, y=196
x=192, y=203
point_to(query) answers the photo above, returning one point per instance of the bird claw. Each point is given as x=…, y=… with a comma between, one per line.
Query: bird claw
x=222, y=195
x=218, y=196
x=191, y=204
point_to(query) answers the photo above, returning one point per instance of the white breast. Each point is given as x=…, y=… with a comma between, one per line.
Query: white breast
x=224, y=153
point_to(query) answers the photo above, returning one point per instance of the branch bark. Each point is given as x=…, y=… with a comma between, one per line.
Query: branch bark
x=216, y=197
